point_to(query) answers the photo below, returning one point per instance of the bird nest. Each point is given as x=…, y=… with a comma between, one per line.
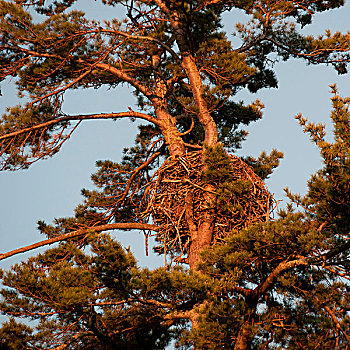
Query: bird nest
x=178, y=193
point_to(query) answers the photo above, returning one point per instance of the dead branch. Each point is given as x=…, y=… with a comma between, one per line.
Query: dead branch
x=131, y=179
x=130, y=114
x=78, y=233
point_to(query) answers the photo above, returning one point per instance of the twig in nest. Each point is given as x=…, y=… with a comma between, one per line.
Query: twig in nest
x=168, y=193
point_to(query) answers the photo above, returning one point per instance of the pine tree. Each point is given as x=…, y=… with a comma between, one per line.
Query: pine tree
x=252, y=282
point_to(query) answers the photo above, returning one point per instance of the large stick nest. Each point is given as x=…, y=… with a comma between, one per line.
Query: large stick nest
x=177, y=195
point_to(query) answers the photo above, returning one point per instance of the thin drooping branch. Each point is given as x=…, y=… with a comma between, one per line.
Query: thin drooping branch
x=315, y=55
x=130, y=114
x=64, y=88
x=81, y=232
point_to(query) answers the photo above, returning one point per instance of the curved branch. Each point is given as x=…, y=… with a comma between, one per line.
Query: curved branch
x=191, y=69
x=283, y=266
x=64, y=88
x=80, y=117
x=302, y=261
x=81, y=232
x=189, y=130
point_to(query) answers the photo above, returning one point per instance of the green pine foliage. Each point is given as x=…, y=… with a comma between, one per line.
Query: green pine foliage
x=98, y=297
x=279, y=284
x=218, y=171
x=289, y=275
x=16, y=336
x=67, y=51
x=265, y=164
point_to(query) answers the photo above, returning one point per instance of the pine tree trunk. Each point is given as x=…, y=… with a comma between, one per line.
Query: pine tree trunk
x=202, y=237
x=246, y=333
x=192, y=72
x=244, y=337
x=170, y=132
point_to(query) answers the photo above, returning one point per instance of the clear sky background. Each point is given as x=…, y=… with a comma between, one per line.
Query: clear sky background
x=51, y=188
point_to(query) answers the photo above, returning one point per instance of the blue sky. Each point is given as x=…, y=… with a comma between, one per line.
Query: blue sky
x=51, y=188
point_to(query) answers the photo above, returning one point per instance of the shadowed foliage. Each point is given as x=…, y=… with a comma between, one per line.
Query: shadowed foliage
x=235, y=276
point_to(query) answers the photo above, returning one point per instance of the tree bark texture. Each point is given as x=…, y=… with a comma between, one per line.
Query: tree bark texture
x=192, y=72
x=246, y=333
x=202, y=236
x=170, y=132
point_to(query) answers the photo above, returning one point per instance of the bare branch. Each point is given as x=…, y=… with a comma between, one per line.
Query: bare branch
x=338, y=325
x=313, y=55
x=189, y=145
x=74, y=338
x=189, y=130
x=81, y=232
x=302, y=261
x=130, y=114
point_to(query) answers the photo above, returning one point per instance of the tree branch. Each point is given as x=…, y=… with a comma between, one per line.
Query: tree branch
x=332, y=253
x=80, y=117
x=148, y=38
x=80, y=232
x=283, y=266
x=313, y=55
x=191, y=69
x=74, y=338
x=286, y=265
x=338, y=325
x=132, y=177
x=125, y=77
